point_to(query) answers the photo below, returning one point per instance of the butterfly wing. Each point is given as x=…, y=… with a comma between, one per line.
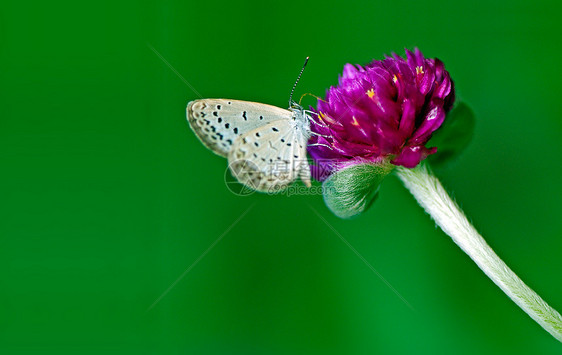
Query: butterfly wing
x=218, y=122
x=269, y=158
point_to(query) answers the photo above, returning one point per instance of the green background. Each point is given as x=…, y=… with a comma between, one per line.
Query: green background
x=107, y=197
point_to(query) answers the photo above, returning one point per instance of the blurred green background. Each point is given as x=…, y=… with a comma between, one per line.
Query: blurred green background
x=107, y=197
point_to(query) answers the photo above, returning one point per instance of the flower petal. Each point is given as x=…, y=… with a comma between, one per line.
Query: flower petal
x=412, y=155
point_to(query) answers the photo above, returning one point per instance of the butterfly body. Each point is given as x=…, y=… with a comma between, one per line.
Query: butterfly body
x=265, y=145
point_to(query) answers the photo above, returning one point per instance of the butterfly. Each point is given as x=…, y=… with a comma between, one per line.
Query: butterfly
x=265, y=145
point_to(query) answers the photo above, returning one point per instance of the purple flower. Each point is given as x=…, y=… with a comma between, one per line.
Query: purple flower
x=383, y=111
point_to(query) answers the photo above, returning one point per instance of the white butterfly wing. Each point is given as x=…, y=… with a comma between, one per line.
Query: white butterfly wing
x=218, y=122
x=269, y=158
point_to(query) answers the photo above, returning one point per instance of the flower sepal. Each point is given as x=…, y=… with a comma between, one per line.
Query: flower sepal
x=352, y=190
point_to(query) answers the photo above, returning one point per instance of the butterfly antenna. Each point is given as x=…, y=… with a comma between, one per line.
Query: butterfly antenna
x=296, y=82
x=309, y=94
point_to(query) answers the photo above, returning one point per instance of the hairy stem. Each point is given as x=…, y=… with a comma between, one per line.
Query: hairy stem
x=431, y=195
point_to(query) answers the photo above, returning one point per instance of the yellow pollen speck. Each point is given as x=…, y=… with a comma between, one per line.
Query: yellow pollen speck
x=394, y=78
x=355, y=123
x=419, y=70
x=370, y=93
x=325, y=118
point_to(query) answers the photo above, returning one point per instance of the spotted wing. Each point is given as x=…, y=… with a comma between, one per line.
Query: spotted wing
x=218, y=122
x=270, y=158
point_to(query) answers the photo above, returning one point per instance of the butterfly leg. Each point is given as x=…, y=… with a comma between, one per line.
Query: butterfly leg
x=320, y=145
x=310, y=114
x=320, y=135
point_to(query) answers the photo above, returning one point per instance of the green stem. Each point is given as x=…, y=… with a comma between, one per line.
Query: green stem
x=431, y=195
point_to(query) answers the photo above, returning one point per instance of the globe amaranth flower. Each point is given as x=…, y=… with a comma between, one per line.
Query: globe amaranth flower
x=385, y=111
